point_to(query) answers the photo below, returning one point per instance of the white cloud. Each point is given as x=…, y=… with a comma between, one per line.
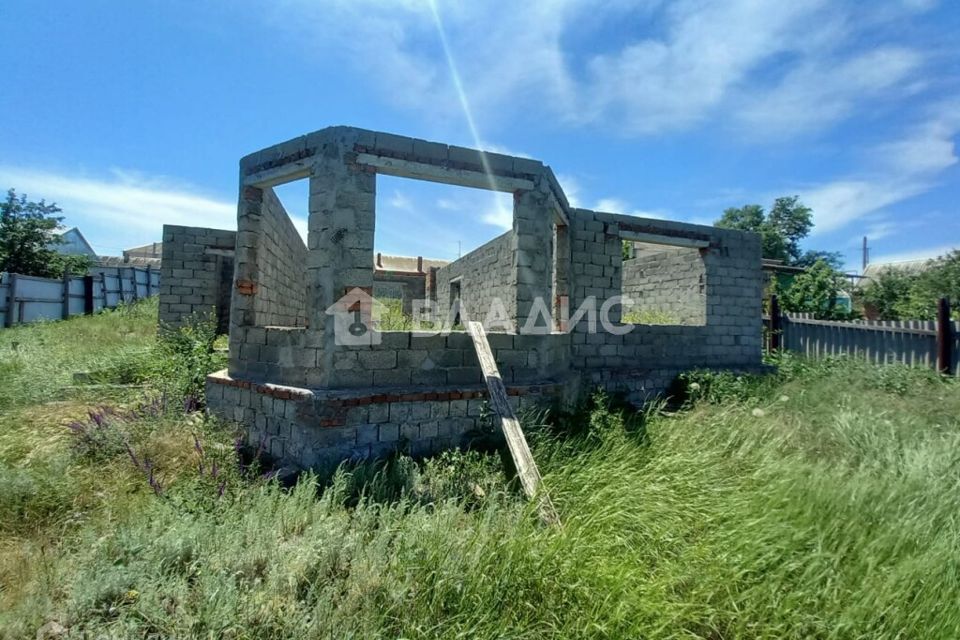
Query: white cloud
x=708, y=50
x=574, y=192
x=571, y=189
x=616, y=205
x=926, y=253
x=502, y=150
x=901, y=169
x=401, y=201
x=927, y=148
x=135, y=205
x=880, y=229
x=837, y=204
x=499, y=217
x=490, y=207
x=303, y=228
x=782, y=66
x=824, y=90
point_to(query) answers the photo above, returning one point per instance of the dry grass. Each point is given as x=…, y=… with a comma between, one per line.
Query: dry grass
x=820, y=503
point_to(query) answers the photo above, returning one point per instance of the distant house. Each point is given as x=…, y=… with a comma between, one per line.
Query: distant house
x=903, y=267
x=148, y=255
x=154, y=250
x=74, y=244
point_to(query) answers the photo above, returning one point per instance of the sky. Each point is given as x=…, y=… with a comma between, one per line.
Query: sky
x=130, y=115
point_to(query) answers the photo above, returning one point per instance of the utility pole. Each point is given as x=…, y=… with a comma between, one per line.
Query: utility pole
x=866, y=255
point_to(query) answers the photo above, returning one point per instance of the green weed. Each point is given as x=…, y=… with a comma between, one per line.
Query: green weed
x=816, y=502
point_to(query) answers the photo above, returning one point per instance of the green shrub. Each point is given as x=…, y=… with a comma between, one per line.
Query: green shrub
x=648, y=316
x=102, y=436
x=717, y=387
x=184, y=358
x=816, y=502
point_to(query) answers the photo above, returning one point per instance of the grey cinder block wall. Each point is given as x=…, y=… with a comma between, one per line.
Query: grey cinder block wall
x=483, y=275
x=273, y=262
x=196, y=274
x=311, y=398
x=669, y=282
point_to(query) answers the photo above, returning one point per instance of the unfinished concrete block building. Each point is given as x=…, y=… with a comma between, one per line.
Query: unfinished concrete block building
x=196, y=275
x=311, y=396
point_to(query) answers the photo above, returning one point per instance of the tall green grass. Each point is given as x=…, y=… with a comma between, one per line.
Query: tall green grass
x=37, y=361
x=816, y=503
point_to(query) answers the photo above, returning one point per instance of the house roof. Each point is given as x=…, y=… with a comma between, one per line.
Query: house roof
x=74, y=243
x=152, y=250
x=874, y=269
x=127, y=261
x=770, y=264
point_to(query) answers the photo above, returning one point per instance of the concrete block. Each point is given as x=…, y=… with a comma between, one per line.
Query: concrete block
x=368, y=433
x=464, y=375
x=379, y=413
x=389, y=432
x=378, y=359
x=391, y=377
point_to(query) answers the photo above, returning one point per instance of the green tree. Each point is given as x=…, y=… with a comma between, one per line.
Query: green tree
x=832, y=258
x=751, y=217
x=894, y=295
x=815, y=291
x=781, y=230
x=792, y=221
x=886, y=295
x=28, y=235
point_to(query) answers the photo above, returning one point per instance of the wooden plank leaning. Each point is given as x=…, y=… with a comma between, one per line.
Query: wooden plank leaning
x=522, y=458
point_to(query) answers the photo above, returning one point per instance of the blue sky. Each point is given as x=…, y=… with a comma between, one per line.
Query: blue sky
x=132, y=114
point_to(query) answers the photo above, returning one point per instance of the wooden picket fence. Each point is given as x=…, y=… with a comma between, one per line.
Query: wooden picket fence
x=25, y=299
x=926, y=343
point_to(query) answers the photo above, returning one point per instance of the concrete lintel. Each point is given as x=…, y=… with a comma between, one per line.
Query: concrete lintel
x=289, y=172
x=654, y=238
x=445, y=175
x=559, y=210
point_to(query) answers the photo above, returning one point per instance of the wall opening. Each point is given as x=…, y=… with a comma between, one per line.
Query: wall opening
x=560, y=274
x=445, y=243
x=664, y=284
x=454, y=301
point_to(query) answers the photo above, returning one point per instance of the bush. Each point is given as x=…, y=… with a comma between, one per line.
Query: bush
x=185, y=356
x=896, y=295
x=100, y=437
x=716, y=387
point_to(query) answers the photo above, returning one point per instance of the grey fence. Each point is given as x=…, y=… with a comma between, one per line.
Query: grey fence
x=25, y=299
x=912, y=342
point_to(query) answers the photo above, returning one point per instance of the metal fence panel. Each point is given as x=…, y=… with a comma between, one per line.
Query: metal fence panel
x=112, y=293
x=912, y=342
x=35, y=299
x=4, y=294
x=956, y=349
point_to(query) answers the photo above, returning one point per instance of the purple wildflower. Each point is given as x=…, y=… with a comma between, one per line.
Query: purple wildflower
x=133, y=456
x=152, y=480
